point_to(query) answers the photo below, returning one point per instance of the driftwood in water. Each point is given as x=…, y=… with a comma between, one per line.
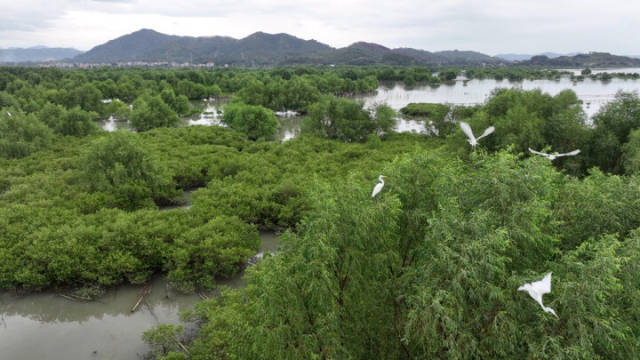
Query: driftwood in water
x=145, y=291
x=184, y=348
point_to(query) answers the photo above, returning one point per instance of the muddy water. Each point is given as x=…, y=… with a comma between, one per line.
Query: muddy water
x=48, y=326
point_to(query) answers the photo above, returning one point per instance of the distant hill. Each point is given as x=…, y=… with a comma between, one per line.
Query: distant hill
x=466, y=57
x=525, y=57
x=36, y=54
x=261, y=49
x=594, y=59
x=151, y=46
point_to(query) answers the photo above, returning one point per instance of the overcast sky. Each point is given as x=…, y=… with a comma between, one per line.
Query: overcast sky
x=489, y=26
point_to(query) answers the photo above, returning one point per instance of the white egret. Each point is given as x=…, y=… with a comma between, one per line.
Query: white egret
x=8, y=113
x=556, y=155
x=537, y=289
x=472, y=139
x=378, y=186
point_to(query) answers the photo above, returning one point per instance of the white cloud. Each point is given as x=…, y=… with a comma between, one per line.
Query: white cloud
x=489, y=26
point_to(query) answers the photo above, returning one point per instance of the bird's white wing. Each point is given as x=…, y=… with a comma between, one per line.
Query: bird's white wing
x=467, y=130
x=538, y=152
x=488, y=131
x=574, y=152
x=543, y=286
x=377, y=189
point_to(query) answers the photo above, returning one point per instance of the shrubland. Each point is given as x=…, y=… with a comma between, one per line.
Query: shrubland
x=427, y=269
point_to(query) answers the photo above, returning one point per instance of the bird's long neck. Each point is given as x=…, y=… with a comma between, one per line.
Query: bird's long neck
x=549, y=310
x=381, y=180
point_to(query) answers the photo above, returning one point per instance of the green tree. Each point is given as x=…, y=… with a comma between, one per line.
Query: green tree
x=254, y=121
x=151, y=112
x=76, y=122
x=118, y=165
x=631, y=153
x=384, y=117
x=339, y=118
x=21, y=135
x=219, y=248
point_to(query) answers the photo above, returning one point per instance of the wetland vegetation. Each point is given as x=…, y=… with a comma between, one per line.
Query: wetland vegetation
x=427, y=269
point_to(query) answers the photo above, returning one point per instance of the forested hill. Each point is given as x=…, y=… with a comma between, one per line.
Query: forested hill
x=18, y=55
x=265, y=49
x=594, y=59
x=151, y=46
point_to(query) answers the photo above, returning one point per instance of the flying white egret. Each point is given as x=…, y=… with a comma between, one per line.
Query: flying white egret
x=378, y=186
x=472, y=139
x=556, y=155
x=537, y=289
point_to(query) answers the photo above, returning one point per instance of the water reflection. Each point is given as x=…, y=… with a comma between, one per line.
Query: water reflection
x=112, y=124
x=289, y=127
x=628, y=70
x=594, y=94
x=46, y=326
x=211, y=115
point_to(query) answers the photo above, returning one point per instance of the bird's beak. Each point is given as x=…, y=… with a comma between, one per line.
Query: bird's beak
x=384, y=176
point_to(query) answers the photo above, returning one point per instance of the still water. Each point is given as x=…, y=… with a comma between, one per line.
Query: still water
x=48, y=326
x=594, y=94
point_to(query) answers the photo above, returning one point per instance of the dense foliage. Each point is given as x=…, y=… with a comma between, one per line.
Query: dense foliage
x=85, y=210
x=427, y=269
x=430, y=269
x=347, y=120
x=254, y=121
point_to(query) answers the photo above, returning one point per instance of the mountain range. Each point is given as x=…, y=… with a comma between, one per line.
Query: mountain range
x=525, y=57
x=592, y=59
x=36, y=54
x=262, y=49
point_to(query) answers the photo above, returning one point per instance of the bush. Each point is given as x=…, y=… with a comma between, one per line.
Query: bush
x=21, y=135
x=120, y=167
x=151, y=112
x=255, y=121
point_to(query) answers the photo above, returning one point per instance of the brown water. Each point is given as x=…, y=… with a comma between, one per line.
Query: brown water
x=48, y=326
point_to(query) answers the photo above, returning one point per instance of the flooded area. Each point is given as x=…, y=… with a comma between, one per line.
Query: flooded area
x=38, y=326
x=627, y=70
x=594, y=94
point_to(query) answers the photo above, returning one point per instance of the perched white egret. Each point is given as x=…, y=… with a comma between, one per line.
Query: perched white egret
x=472, y=139
x=378, y=186
x=539, y=288
x=556, y=155
x=8, y=113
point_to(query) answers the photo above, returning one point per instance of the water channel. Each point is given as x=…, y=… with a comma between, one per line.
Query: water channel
x=50, y=326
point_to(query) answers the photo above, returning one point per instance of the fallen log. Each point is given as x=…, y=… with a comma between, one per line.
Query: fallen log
x=145, y=291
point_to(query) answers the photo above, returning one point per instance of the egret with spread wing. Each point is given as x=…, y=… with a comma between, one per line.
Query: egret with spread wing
x=537, y=289
x=378, y=186
x=472, y=139
x=556, y=155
